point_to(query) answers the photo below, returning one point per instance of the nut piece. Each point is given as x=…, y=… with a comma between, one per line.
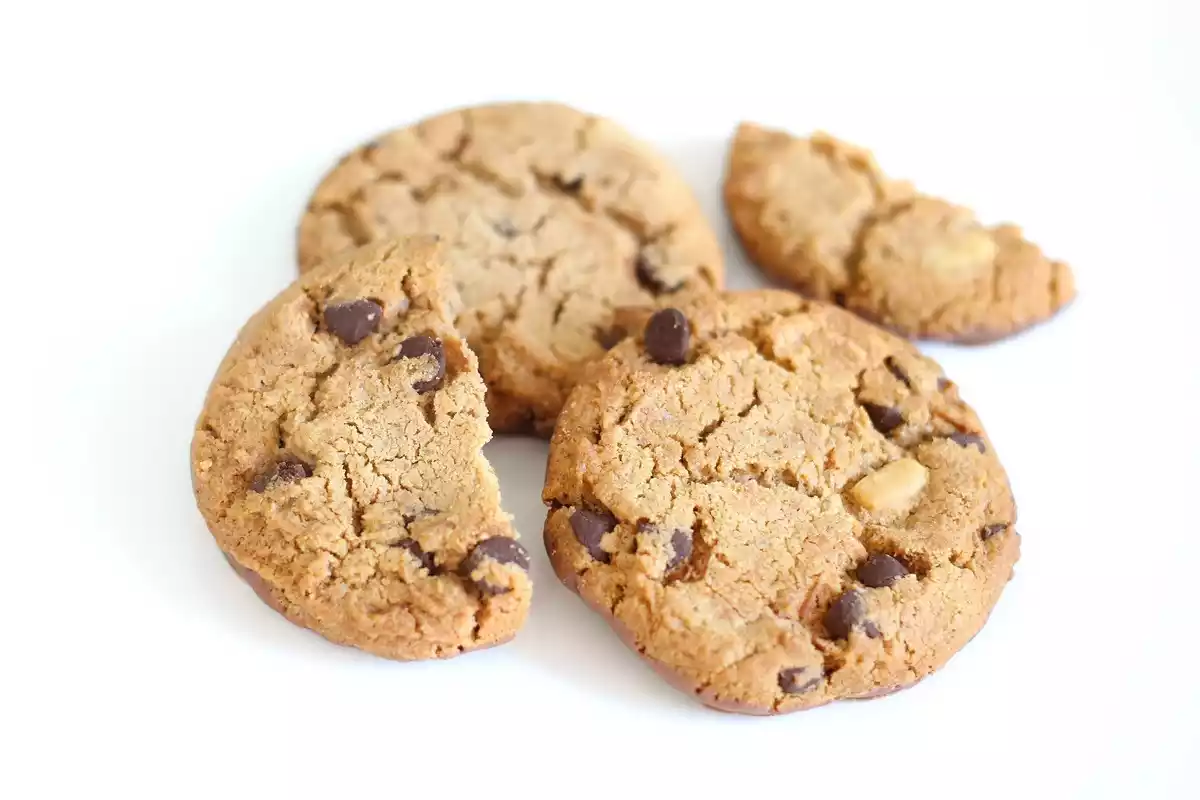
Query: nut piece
x=962, y=254
x=891, y=487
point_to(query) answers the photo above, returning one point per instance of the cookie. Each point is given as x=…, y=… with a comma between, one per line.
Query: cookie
x=820, y=215
x=338, y=464
x=551, y=218
x=778, y=504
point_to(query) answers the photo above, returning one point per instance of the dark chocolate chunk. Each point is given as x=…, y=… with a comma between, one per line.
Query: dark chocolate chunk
x=500, y=549
x=988, y=531
x=353, y=320
x=649, y=279
x=798, y=680
x=668, y=337
x=969, y=440
x=286, y=470
x=849, y=611
x=424, y=559
x=880, y=570
x=589, y=528
x=885, y=418
x=681, y=544
x=419, y=346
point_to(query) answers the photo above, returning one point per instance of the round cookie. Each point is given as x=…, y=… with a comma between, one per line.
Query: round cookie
x=338, y=463
x=820, y=215
x=551, y=218
x=777, y=503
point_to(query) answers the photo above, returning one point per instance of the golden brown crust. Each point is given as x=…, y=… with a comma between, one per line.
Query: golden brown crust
x=550, y=218
x=820, y=215
x=352, y=496
x=796, y=442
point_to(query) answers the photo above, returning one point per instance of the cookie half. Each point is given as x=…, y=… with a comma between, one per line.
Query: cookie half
x=820, y=215
x=338, y=463
x=550, y=218
x=778, y=504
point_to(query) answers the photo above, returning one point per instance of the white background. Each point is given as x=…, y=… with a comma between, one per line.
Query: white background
x=154, y=163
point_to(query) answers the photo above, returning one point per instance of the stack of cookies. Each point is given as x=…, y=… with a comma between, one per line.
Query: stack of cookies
x=771, y=495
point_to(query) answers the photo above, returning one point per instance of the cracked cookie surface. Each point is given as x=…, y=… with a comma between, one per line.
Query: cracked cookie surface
x=551, y=218
x=819, y=214
x=338, y=462
x=803, y=510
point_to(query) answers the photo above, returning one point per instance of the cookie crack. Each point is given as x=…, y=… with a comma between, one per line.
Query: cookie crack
x=765, y=478
x=313, y=308
x=546, y=184
x=511, y=311
x=356, y=510
x=559, y=306
x=475, y=622
x=627, y=410
x=545, y=266
x=345, y=210
x=453, y=158
x=551, y=185
x=318, y=384
x=703, y=686
x=752, y=331
x=883, y=214
x=711, y=428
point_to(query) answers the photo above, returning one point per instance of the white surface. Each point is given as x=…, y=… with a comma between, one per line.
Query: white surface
x=154, y=162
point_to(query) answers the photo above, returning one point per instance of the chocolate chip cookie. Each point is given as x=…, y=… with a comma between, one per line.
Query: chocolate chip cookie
x=338, y=463
x=778, y=504
x=819, y=214
x=551, y=218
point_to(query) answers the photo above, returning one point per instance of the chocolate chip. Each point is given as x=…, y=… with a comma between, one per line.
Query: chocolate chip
x=505, y=228
x=897, y=371
x=681, y=543
x=648, y=278
x=880, y=570
x=419, y=346
x=500, y=549
x=569, y=185
x=796, y=680
x=423, y=558
x=668, y=337
x=286, y=470
x=589, y=528
x=353, y=320
x=849, y=611
x=610, y=337
x=969, y=440
x=988, y=531
x=885, y=418
x=944, y=384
